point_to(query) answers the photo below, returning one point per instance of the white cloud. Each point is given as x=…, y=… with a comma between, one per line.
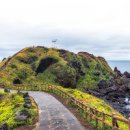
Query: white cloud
x=98, y=26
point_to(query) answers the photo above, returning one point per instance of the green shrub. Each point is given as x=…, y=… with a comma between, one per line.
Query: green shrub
x=8, y=108
x=66, y=76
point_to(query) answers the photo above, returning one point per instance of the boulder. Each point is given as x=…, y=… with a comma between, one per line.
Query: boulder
x=75, y=63
x=27, y=105
x=121, y=81
x=117, y=95
x=4, y=127
x=25, y=95
x=102, y=84
x=7, y=90
x=22, y=115
x=108, y=90
x=128, y=87
x=127, y=74
x=111, y=82
x=111, y=89
x=117, y=72
x=27, y=100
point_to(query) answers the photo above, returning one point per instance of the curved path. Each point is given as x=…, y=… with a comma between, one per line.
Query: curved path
x=53, y=114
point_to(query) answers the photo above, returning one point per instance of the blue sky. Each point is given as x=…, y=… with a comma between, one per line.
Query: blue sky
x=100, y=27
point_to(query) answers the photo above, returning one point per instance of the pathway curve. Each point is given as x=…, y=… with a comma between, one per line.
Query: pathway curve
x=53, y=114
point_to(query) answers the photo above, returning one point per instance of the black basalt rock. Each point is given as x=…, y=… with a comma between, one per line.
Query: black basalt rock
x=4, y=127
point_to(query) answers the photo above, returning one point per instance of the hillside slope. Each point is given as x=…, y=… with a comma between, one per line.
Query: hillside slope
x=54, y=66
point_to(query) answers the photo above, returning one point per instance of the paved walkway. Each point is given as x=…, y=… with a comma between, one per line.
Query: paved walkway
x=53, y=114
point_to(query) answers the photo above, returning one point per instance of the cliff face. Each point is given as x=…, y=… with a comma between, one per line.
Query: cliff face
x=54, y=66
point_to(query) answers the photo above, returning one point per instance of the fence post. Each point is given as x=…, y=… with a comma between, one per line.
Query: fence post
x=114, y=122
x=86, y=112
x=67, y=100
x=129, y=123
x=96, y=114
x=90, y=110
x=103, y=120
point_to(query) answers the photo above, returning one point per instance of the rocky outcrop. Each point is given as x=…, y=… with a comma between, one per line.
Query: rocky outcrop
x=117, y=72
x=114, y=90
x=6, y=90
x=127, y=74
x=102, y=84
x=22, y=115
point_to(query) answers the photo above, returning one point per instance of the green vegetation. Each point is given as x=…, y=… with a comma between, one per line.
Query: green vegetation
x=97, y=103
x=9, y=105
x=87, y=99
x=81, y=70
x=2, y=93
x=34, y=65
x=90, y=100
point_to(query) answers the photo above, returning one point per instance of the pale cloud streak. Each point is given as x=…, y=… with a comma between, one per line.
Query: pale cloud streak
x=101, y=27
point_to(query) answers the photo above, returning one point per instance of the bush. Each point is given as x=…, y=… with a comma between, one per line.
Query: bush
x=22, y=74
x=13, y=66
x=67, y=76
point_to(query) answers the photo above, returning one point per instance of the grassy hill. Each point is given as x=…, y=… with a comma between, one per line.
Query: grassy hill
x=41, y=65
x=54, y=66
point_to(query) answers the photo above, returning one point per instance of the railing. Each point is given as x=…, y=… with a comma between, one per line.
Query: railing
x=90, y=113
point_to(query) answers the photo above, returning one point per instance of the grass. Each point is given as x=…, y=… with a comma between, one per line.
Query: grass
x=89, y=100
x=90, y=80
x=8, y=108
x=2, y=93
x=24, y=64
x=97, y=103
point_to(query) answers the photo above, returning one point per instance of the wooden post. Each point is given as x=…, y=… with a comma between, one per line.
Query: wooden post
x=103, y=119
x=67, y=100
x=114, y=122
x=90, y=110
x=86, y=112
x=96, y=113
x=129, y=124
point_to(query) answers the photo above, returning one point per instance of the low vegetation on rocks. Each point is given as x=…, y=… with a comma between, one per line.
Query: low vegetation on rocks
x=114, y=91
x=97, y=103
x=13, y=113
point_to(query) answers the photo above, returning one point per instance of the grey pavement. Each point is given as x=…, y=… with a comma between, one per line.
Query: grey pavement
x=53, y=115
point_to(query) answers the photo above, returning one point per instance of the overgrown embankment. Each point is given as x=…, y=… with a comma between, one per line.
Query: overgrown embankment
x=16, y=110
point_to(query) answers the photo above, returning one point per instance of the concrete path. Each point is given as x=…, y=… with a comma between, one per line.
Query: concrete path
x=53, y=114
